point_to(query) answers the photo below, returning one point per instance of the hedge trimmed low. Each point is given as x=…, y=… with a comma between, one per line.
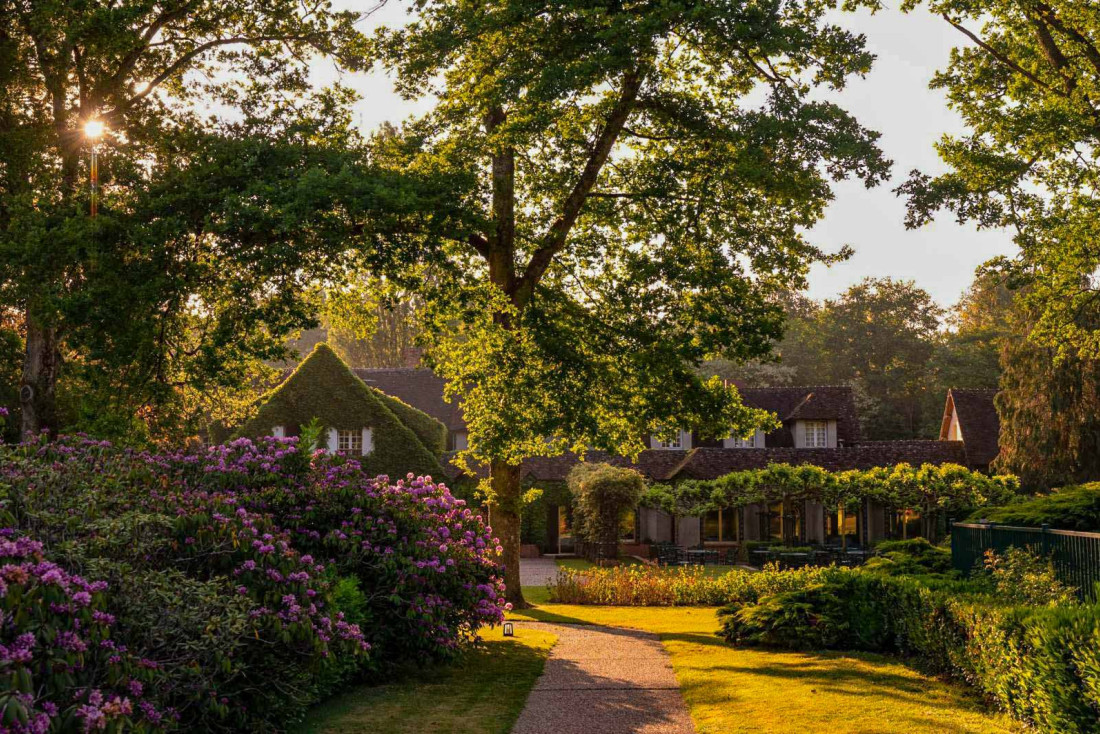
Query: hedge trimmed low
x=1039, y=664
x=1068, y=508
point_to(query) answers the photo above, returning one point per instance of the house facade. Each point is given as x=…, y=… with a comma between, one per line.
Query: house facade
x=819, y=425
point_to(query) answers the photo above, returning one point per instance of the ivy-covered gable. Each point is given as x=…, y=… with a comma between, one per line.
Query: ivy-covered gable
x=323, y=387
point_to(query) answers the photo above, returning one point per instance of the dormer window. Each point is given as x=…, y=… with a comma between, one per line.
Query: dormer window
x=672, y=443
x=678, y=441
x=816, y=434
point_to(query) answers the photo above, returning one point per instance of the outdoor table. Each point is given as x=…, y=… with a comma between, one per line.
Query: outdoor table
x=696, y=556
x=794, y=558
x=762, y=556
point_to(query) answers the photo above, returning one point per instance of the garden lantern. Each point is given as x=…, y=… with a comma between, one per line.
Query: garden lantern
x=509, y=629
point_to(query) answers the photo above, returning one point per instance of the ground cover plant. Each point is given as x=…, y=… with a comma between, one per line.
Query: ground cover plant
x=228, y=588
x=1016, y=634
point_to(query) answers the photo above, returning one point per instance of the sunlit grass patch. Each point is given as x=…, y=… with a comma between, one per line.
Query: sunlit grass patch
x=482, y=694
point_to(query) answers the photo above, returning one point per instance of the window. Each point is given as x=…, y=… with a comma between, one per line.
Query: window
x=736, y=442
x=720, y=526
x=456, y=441
x=678, y=441
x=278, y=432
x=816, y=434
x=349, y=442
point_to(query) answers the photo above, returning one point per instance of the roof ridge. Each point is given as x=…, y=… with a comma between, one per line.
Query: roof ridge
x=794, y=387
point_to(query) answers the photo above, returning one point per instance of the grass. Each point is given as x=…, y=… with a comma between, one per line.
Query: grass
x=730, y=690
x=483, y=693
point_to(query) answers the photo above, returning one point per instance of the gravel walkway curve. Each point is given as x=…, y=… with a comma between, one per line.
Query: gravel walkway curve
x=604, y=680
x=537, y=571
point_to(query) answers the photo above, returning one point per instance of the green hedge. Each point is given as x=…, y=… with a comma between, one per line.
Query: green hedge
x=1069, y=508
x=1039, y=664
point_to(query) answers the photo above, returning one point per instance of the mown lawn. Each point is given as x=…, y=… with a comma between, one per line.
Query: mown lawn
x=737, y=690
x=482, y=694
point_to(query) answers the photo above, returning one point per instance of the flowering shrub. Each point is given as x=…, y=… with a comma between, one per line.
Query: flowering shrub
x=254, y=578
x=58, y=657
x=655, y=586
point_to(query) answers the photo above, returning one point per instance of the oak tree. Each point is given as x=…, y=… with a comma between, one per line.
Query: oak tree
x=643, y=172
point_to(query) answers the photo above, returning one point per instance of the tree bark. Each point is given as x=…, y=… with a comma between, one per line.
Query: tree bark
x=41, y=364
x=507, y=508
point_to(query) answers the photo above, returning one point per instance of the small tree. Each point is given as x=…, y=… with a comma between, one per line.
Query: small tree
x=602, y=495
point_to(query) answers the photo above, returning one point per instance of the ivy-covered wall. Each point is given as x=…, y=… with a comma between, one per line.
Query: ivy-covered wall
x=323, y=387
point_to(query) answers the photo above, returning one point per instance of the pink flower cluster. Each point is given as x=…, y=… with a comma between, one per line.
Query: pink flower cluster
x=70, y=643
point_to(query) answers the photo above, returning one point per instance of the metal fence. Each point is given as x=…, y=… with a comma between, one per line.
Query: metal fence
x=1075, y=555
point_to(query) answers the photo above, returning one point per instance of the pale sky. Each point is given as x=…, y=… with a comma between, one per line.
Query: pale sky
x=893, y=99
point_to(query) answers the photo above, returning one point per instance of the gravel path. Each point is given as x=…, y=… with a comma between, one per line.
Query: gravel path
x=604, y=680
x=537, y=571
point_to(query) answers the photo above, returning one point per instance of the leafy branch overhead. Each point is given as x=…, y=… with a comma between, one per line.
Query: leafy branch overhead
x=644, y=175
x=1026, y=81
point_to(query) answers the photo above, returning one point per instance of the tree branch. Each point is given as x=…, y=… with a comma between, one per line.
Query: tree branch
x=180, y=63
x=555, y=238
x=998, y=55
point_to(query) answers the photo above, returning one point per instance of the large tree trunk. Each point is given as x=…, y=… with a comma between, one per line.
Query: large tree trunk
x=507, y=506
x=41, y=364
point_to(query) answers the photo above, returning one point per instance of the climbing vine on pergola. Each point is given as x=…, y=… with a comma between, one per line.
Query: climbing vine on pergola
x=928, y=489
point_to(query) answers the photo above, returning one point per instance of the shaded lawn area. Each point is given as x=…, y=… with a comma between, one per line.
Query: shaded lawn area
x=729, y=689
x=483, y=693
x=580, y=564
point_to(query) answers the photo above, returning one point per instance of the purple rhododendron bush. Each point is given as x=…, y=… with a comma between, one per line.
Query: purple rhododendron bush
x=224, y=588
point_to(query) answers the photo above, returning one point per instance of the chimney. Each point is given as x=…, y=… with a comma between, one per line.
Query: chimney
x=412, y=356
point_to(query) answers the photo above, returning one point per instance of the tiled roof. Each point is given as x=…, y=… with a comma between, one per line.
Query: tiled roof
x=817, y=402
x=418, y=387
x=978, y=422
x=711, y=463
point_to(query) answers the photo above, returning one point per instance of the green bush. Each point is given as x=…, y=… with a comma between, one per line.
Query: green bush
x=910, y=558
x=1039, y=664
x=602, y=495
x=1069, y=508
x=1021, y=577
x=833, y=614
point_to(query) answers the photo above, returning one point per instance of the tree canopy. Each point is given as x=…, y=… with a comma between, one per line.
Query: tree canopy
x=1027, y=84
x=643, y=175
x=190, y=94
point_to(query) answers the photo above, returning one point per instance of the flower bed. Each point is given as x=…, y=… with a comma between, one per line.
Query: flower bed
x=655, y=586
x=232, y=587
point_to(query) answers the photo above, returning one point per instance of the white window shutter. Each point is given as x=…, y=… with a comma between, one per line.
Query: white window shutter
x=278, y=432
x=332, y=445
x=368, y=441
